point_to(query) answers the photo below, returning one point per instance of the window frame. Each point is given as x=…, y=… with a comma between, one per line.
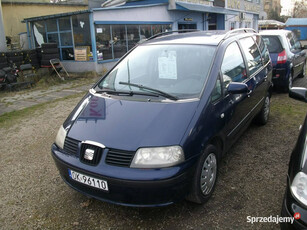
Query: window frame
x=164, y=26
x=245, y=59
x=224, y=89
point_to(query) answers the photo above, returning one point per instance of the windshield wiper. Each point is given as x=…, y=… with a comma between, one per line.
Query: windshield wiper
x=158, y=92
x=128, y=93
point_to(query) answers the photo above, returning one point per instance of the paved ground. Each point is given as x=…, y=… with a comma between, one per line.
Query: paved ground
x=27, y=98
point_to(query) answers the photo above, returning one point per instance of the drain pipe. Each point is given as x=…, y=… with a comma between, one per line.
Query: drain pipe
x=3, y=47
x=171, y=5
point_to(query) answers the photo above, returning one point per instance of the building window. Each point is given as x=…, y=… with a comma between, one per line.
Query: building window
x=119, y=41
x=232, y=25
x=113, y=41
x=82, y=34
x=39, y=33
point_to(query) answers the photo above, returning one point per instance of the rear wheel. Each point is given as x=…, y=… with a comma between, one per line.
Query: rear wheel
x=303, y=73
x=290, y=82
x=205, y=176
x=263, y=117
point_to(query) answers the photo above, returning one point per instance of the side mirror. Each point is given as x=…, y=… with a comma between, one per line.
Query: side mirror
x=298, y=93
x=237, y=88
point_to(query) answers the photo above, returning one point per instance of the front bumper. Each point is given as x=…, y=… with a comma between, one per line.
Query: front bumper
x=289, y=208
x=130, y=187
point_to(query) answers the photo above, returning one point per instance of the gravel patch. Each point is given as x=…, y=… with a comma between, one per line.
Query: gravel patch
x=251, y=180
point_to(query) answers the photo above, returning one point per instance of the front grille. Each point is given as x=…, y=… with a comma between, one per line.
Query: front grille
x=119, y=157
x=97, y=154
x=71, y=146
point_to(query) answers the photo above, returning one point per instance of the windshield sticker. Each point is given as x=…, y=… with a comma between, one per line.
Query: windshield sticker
x=167, y=63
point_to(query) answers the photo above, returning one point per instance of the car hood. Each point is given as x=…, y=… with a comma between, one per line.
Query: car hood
x=128, y=125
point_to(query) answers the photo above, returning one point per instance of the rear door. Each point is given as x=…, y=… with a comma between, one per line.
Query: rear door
x=257, y=74
x=299, y=54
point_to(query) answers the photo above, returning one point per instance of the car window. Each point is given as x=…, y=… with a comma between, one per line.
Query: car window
x=233, y=67
x=252, y=54
x=273, y=43
x=291, y=41
x=179, y=70
x=263, y=49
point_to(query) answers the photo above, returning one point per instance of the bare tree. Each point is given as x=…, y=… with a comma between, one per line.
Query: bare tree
x=300, y=9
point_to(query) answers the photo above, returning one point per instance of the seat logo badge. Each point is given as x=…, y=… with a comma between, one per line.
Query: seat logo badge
x=89, y=154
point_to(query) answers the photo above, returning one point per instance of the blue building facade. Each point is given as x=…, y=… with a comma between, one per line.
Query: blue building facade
x=108, y=33
x=298, y=26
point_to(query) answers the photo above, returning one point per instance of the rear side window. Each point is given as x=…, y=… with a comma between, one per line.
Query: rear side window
x=291, y=41
x=252, y=54
x=273, y=44
x=233, y=67
x=263, y=49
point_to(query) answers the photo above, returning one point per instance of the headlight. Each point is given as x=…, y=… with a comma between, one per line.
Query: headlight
x=159, y=157
x=299, y=188
x=60, y=137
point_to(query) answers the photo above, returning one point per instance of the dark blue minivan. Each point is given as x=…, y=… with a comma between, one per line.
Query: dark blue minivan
x=152, y=131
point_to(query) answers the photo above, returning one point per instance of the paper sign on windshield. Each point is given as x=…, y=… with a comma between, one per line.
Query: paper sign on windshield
x=167, y=64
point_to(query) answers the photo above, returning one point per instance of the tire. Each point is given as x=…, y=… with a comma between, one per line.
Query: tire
x=14, y=54
x=3, y=59
x=34, y=62
x=31, y=56
x=29, y=52
x=15, y=59
x=3, y=65
x=263, y=116
x=303, y=73
x=11, y=78
x=49, y=45
x=50, y=51
x=45, y=63
x=289, y=85
x=207, y=165
x=50, y=56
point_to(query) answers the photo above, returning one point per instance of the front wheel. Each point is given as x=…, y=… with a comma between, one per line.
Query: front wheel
x=263, y=117
x=205, y=176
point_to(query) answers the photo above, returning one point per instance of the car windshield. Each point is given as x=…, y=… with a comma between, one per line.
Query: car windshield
x=171, y=71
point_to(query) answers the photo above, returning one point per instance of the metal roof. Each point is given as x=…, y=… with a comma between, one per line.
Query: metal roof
x=270, y=22
x=203, y=8
x=274, y=32
x=55, y=16
x=296, y=22
x=145, y=2
x=134, y=4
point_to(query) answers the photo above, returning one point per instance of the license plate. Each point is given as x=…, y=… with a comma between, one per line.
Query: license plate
x=88, y=180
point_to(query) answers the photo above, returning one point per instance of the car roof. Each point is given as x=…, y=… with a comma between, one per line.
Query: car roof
x=274, y=32
x=196, y=37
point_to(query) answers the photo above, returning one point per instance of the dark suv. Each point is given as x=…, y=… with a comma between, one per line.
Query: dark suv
x=153, y=130
x=287, y=55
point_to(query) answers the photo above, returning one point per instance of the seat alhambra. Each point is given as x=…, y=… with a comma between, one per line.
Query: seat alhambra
x=153, y=130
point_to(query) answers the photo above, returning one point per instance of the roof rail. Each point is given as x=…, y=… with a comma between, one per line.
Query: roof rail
x=170, y=32
x=237, y=31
